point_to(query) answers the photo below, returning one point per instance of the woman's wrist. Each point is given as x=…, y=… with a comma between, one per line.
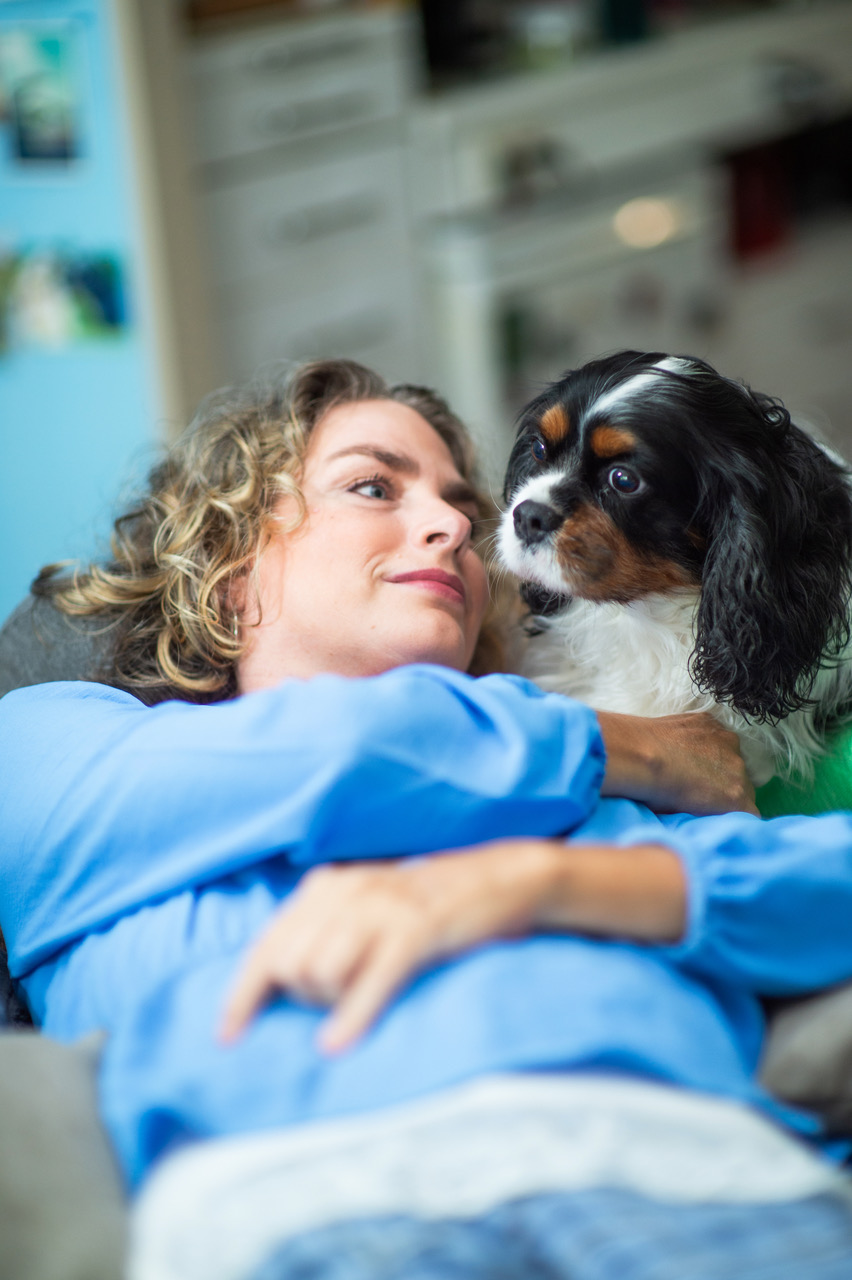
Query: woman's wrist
x=635, y=892
x=634, y=763
x=515, y=887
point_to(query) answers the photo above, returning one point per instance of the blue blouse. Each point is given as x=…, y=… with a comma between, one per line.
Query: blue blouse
x=144, y=848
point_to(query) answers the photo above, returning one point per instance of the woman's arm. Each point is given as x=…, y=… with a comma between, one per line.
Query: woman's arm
x=675, y=764
x=764, y=906
x=770, y=903
x=352, y=936
x=106, y=805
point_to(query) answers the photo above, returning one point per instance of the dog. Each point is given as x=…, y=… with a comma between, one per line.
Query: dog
x=683, y=546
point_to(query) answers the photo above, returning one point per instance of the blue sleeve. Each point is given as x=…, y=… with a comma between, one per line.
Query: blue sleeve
x=106, y=805
x=770, y=903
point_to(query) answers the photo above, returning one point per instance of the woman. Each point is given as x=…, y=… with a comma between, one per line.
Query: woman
x=297, y=562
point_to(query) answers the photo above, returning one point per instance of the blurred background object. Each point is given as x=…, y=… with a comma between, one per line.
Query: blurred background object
x=477, y=194
x=102, y=335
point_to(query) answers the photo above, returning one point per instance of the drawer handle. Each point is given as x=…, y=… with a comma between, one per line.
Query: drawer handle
x=284, y=57
x=321, y=220
x=322, y=113
x=795, y=84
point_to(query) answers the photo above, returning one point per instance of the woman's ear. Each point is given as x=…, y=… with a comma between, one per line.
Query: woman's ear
x=239, y=601
x=776, y=579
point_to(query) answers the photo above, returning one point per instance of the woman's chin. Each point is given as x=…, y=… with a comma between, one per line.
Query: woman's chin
x=441, y=647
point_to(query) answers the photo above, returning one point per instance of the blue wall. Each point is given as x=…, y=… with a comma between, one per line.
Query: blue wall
x=77, y=422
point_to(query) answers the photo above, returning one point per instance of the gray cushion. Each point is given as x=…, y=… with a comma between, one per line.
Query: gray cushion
x=62, y=1204
x=63, y=1214
x=808, y=1056
x=39, y=644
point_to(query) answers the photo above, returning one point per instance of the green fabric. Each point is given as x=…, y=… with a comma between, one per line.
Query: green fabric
x=831, y=788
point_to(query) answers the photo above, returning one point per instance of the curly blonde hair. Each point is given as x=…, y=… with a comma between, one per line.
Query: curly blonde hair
x=165, y=596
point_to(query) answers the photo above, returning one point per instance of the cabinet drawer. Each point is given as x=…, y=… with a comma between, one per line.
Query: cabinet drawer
x=292, y=82
x=301, y=229
x=377, y=329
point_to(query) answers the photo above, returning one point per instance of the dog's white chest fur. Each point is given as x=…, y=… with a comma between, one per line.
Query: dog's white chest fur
x=634, y=659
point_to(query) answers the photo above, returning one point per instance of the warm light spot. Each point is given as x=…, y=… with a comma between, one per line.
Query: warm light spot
x=646, y=222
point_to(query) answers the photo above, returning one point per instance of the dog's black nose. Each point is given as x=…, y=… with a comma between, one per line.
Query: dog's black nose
x=534, y=521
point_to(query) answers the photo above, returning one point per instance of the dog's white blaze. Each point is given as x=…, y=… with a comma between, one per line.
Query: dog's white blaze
x=630, y=389
x=531, y=564
x=538, y=489
x=676, y=364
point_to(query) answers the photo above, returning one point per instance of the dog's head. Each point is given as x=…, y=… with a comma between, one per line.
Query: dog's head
x=645, y=474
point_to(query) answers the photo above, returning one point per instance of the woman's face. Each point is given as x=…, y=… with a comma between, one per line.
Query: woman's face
x=382, y=571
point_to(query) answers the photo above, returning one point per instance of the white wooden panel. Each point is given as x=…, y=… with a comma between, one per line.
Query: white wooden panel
x=302, y=229
x=295, y=81
x=727, y=84
x=375, y=327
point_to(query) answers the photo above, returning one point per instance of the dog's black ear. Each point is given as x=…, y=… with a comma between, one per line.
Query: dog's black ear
x=777, y=518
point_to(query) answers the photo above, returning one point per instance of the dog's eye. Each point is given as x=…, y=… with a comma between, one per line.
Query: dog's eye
x=538, y=449
x=623, y=480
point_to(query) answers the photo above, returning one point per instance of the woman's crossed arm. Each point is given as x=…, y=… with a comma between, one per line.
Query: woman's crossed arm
x=351, y=936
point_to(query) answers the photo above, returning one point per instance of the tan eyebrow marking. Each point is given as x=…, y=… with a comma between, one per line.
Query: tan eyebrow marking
x=555, y=424
x=609, y=442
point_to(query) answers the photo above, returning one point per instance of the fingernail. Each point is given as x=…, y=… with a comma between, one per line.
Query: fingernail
x=329, y=1041
x=227, y=1033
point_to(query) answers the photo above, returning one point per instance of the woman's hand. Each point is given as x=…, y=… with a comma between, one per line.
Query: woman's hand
x=352, y=935
x=676, y=764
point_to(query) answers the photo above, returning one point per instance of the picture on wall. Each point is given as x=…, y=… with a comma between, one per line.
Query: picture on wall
x=53, y=296
x=40, y=92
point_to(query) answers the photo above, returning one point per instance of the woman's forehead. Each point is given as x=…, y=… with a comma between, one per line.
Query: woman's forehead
x=393, y=434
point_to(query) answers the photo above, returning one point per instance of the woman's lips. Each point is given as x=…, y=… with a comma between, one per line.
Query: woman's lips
x=448, y=585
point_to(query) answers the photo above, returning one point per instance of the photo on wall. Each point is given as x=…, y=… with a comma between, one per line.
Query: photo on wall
x=40, y=93
x=51, y=296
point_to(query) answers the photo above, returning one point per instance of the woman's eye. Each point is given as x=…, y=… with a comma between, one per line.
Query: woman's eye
x=538, y=449
x=371, y=488
x=623, y=480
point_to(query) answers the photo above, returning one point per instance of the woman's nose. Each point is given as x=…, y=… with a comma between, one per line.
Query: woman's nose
x=446, y=524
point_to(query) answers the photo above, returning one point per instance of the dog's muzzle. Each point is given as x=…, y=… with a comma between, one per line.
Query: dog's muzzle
x=541, y=602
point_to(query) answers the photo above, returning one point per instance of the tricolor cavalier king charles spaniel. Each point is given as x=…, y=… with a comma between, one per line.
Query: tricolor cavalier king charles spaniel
x=685, y=547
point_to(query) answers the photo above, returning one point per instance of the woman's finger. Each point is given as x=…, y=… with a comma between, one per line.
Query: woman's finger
x=390, y=964
x=311, y=949
x=254, y=985
x=337, y=958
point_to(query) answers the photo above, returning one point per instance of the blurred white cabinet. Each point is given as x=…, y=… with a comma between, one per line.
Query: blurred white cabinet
x=522, y=295
x=467, y=238
x=522, y=186
x=301, y=165
x=733, y=80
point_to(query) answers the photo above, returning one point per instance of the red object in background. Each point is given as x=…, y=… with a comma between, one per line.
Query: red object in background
x=761, y=200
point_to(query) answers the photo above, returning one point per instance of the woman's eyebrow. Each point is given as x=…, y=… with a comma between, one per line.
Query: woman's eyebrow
x=457, y=492
x=393, y=461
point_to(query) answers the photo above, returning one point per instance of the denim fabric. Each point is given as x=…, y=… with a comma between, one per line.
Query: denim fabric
x=591, y=1235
